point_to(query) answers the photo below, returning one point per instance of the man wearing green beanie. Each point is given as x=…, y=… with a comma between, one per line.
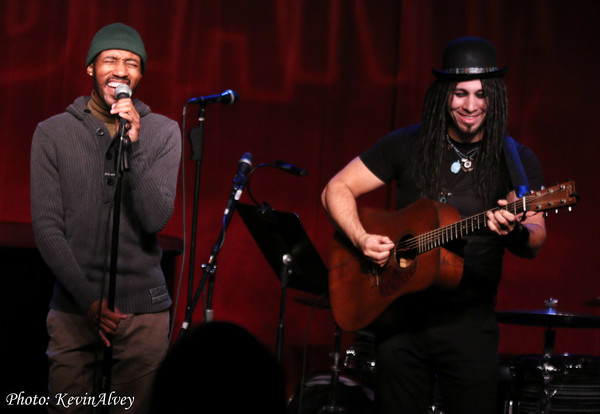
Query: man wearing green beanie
x=73, y=177
x=117, y=36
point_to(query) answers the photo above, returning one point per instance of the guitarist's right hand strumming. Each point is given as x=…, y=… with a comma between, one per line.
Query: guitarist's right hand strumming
x=377, y=248
x=339, y=199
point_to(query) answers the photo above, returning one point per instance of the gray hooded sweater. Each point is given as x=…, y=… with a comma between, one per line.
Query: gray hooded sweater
x=73, y=176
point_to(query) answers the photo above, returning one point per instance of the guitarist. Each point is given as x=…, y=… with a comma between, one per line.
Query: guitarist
x=455, y=155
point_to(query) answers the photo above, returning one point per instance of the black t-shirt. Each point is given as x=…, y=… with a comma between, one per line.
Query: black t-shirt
x=389, y=159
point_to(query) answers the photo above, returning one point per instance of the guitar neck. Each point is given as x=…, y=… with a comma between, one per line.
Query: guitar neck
x=439, y=237
x=559, y=196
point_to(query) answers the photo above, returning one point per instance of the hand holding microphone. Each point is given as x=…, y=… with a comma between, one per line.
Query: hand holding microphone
x=129, y=119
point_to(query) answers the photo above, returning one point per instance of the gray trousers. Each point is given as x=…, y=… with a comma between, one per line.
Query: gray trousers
x=75, y=355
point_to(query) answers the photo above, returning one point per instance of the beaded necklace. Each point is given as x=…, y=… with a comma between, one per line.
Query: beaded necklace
x=465, y=161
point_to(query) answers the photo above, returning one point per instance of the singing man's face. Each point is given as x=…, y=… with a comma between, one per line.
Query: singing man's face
x=113, y=67
x=467, y=107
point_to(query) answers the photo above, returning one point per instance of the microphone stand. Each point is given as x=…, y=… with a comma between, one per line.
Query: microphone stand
x=285, y=274
x=196, y=137
x=122, y=167
x=210, y=268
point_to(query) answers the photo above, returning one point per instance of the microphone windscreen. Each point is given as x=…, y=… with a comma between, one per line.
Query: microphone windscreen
x=122, y=91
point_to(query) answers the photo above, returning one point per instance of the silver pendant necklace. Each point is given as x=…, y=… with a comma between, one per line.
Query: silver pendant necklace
x=465, y=161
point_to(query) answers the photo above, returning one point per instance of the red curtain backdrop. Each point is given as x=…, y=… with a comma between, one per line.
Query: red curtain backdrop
x=319, y=82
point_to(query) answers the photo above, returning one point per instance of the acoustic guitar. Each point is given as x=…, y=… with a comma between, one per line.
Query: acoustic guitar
x=423, y=257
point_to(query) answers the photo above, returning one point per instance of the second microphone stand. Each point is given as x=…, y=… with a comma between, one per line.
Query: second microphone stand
x=210, y=267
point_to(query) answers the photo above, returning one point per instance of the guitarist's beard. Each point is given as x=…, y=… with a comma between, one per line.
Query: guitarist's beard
x=463, y=133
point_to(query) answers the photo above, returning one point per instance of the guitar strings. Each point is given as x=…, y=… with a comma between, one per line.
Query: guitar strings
x=437, y=237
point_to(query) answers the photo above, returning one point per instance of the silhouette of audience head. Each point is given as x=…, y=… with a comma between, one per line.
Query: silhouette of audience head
x=219, y=368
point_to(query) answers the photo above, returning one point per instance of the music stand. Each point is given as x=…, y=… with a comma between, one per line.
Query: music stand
x=289, y=251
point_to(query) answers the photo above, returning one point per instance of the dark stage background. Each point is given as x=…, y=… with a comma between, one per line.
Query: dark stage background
x=319, y=82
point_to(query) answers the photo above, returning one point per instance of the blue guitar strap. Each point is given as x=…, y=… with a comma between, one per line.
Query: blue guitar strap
x=515, y=167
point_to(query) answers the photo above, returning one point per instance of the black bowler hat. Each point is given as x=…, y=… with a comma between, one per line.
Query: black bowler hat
x=469, y=58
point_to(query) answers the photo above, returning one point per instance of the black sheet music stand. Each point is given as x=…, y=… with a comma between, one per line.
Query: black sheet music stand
x=283, y=241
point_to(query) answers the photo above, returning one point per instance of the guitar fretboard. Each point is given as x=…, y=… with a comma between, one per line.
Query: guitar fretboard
x=559, y=196
x=439, y=237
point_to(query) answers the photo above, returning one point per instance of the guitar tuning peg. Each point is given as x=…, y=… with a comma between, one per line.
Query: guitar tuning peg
x=556, y=212
x=545, y=214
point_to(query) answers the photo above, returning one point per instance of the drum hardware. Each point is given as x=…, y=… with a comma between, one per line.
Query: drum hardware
x=550, y=318
x=348, y=391
x=356, y=397
x=323, y=304
x=333, y=406
x=558, y=384
x=550, y=374
x=360, y=358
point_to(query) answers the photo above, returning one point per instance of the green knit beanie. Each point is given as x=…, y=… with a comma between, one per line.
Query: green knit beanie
x=117, y=36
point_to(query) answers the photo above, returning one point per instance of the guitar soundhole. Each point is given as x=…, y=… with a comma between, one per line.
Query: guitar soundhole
x=405, y=253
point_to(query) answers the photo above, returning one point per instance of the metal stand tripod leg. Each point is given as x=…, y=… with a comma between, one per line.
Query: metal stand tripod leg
x=547, y=372
x=333, y=406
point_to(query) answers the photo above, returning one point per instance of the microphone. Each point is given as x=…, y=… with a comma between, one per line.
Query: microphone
x=290, y=168
x=244, y=165
x=122, y=91
x=239, y=182
x=228, y=97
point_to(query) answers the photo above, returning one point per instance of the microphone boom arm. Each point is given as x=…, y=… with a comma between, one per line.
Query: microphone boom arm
x=280, y=165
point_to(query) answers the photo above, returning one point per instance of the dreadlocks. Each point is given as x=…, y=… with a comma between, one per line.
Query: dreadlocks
x=431, y=145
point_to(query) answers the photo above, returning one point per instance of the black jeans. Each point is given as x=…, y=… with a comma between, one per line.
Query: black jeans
x=450, y=355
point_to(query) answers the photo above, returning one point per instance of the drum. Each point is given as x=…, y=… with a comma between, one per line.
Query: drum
x=360, y=358
x=352, y=396
x=556, y=384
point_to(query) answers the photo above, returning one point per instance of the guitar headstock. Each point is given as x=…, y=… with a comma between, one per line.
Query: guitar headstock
x=553, y=198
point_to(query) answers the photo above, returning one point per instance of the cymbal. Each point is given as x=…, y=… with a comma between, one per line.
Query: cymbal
x=548, y=317
x=593, y=302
